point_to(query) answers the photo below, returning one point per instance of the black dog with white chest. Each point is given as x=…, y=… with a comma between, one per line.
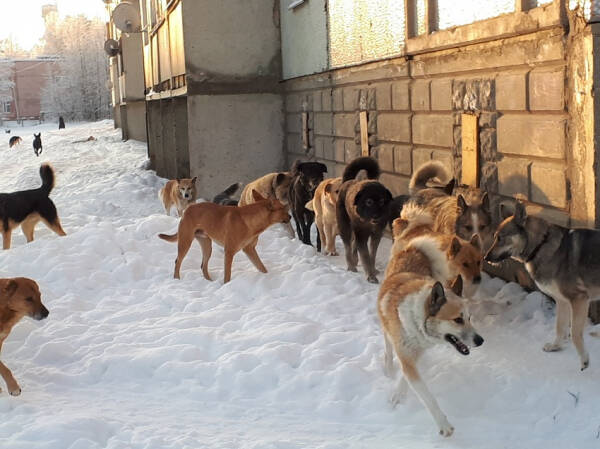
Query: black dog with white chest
x=306, y=178
x=362, y=213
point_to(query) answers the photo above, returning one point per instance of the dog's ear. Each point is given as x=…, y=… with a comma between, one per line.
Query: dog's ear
x=455, y=247
x=257, y=196
x=194, y=179
x=178, y=180
x=476, y=242
x=279, y=179
x=295, y=169
x=520, y=213
x=437, y=299
x=388, y=196
x=449, y=188
x=328, y=188
x=457, y=285
x=9, y=289
x=505, y=211
x=485, y=202
x=462, y=204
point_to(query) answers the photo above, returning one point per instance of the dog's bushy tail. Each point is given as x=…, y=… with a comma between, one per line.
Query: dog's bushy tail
x=47, y=175
x=168, y=238
x=427, y=172
x=366, y=163
x=231, y=189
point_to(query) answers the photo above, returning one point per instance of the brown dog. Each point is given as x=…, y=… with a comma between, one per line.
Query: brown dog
x=271, y=186
x=324, y=206
x=179, y=193
x=234, y=228
x=465, y=215
x=19, y=297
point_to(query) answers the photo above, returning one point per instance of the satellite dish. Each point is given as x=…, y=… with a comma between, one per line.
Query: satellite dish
x=126, y=18
x=111, y=47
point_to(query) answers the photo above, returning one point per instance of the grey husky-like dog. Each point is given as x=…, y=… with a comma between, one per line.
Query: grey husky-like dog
x=564, y=263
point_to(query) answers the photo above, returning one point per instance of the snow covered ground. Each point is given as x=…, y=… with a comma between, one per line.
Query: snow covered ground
x=131, y=358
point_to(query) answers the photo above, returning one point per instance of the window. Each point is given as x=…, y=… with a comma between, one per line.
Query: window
x=6, y=107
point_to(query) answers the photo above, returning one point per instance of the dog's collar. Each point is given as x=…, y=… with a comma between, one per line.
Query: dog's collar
x=538, y=247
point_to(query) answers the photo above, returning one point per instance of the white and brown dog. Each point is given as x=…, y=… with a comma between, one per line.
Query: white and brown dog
x=416, y=313
x=324, y=206
x=179, y=193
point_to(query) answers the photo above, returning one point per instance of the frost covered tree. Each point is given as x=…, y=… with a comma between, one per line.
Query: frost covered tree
x=77, y=88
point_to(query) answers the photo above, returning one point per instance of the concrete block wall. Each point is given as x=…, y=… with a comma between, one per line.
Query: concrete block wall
x=516, y=87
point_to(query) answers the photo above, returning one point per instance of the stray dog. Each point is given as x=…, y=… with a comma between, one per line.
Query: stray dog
x=234, y=228
x=416, y=313
x=19, y=297
x=306, y=178
x=362, y=213
x=14, y=141
x=452, y=214
x=224, y=198
x=27, y=207
x=564, y=263
x=37, y=144
x=323, y=205
x=179, y=193
x=442, y=257
x=271, y=186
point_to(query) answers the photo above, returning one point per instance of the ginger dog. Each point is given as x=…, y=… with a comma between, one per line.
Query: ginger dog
x=324, y=207
x=233, y=227
x=179, y=193
x=19, y=297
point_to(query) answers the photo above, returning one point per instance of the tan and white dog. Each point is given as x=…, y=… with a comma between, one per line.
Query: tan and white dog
x=418, y=249
x=179, y=193
x=324, y=206
x=416, y=313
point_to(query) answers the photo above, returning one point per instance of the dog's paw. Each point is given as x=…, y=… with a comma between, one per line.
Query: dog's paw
x=446, y=429
x=15, y=391
x=372, y=279
x=585, y=362
x=552, y=347
x=353, y=269
x=333, y=253
x=397, y=397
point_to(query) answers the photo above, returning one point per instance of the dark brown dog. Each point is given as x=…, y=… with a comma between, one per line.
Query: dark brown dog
x=233, y=227
x=19, y=297
x=306, y=178
x=362, y=213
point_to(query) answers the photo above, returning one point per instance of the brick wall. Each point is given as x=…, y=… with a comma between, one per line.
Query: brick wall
x=516, y=86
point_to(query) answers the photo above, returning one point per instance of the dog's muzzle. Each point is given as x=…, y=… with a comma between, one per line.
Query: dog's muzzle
x=459, y=345
x=42, y=314
x=478, y=340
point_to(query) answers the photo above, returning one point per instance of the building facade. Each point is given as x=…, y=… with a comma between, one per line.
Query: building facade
x=236, y=89
x=23, y=99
